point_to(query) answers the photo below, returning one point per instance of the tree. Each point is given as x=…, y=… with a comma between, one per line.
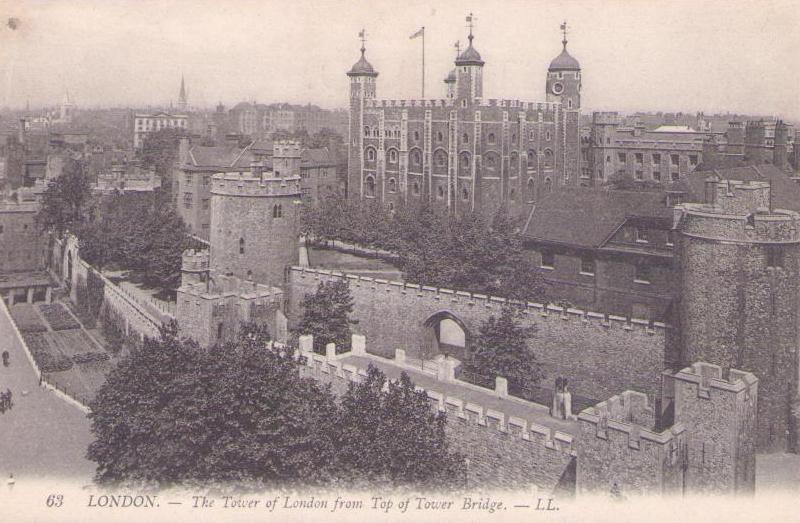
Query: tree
x=160, y=149
x=66, y=202
x=326, y=315
x=389, y=436
x=502, y=349
x=173, y=413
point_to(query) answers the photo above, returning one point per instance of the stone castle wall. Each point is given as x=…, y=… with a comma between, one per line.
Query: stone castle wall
x=599, y=355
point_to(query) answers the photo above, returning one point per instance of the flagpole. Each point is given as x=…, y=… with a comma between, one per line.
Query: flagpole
x=423, y=61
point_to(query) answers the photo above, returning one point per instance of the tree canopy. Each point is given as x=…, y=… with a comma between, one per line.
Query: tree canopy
x=173, y=413
x=67, y=201
x=326, y=315
x=466, y=251
x=160, y=149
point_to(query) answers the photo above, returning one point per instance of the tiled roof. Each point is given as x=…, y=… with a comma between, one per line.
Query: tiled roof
x=319, y=157
x=219, y=157
x=587, y=217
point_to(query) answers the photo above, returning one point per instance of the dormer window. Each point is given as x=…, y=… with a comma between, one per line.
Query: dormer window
x=641, y=235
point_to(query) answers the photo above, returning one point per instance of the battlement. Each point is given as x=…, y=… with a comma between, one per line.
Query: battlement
x=738, y=211
x=519, y=104
x=606, y=118
x=464, y=403
x=707, y=376
x=442, y=102
x=248, y=183
x=630, y=414
x=195, y=260
x=474, y=299
x=220, y=286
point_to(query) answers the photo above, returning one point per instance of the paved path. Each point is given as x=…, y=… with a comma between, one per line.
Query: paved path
x=43, y=435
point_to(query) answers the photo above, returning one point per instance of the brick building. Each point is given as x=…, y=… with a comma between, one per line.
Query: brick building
x=464, y=151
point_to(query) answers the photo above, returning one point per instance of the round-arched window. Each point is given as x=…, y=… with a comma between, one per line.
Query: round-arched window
x=369, y=184
x=465, y=138
x=464, y=194
x=392, y=185
x=548, y=158
x=392, y=155
x=465, y=160
x=415, y=188
x=370, y=154
x=440, y=192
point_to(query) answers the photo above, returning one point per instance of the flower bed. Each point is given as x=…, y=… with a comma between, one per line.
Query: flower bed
x=58, y=317
x=48, y=359
x=27, y=319
x=89, y=357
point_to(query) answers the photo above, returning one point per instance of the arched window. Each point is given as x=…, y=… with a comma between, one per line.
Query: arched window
x=415, y=188
x=465, y=160
x=241, y=245
x=440, y=192
x=514, y=162
x=531, y=190
x=391, y=207
x=514, y=138
x=277, y=211
x=440, y=161
x=465, y=138
x=464, y=194
x=439, y=137
x=370, y=154
x=490, y=161
x=392, y=155
x=376, y=133
x=366, y=131
x=392, y=185
x=249, y=274
x=531, y=157
x=369, y=182
x=416, y=157
x=491, y=138
x=548, y=136
x=416, y=136
x=548, y=159
x=512, y=195
x=548, y=185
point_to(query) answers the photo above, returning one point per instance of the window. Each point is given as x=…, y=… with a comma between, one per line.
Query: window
x=206, y=180
x=187, y=199
x=415, y=188
x=675, y=176
x=639, y=174
x=188, y=178
x=490, y=161
x=656, y=159
x=277, y=211
x=693, y=160
x=490, y=138
x=366, y=131
x=465, y=162
x=416, y=136
x=587, y=264
x=548, y=260
x=514, y=138
x=641, y=274
x=440, y=192
x=639, y=158
x=439, y=137
x=392, y=156
x=440, y=158
x=548, y=185
x=369, y=182
x=621, y=157
x=608, y=158
x=465, y=138
x=548, y=136
x=774, y=256
x=464, y=194
x=370, y=154
x=241, y=245
x=392, y=185
x=657, y=176
x=674, y=159
x=641, y=235
x=531, y=190
x=548, y=159
x=205, y=203
x=416, y=158
x=512, y=195
x=569, y=103
x=531, y=157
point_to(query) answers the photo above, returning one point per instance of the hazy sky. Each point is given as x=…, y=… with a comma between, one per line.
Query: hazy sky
x=739, y=56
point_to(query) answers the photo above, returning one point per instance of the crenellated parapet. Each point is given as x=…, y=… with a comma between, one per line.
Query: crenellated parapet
x=249, y=184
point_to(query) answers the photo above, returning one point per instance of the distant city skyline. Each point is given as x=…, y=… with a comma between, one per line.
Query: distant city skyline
x=676, y=56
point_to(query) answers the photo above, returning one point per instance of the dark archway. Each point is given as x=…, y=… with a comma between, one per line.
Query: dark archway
x=445, y=333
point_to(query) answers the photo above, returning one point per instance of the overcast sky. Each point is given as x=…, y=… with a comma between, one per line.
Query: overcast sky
x=734, y=55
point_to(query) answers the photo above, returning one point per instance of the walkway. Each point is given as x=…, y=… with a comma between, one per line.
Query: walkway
x=43, y=435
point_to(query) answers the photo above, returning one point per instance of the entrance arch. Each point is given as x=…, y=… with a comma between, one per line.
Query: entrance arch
x=445, y=333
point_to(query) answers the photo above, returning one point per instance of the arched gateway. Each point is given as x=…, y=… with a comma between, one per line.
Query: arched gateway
x=444, y=333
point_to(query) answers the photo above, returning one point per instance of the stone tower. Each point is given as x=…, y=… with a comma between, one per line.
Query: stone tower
x=735, y=138
x=469, y=74
x=563, y=86
x=194, y=267
x=362, y=87
x=739, y=261
x=255, y=217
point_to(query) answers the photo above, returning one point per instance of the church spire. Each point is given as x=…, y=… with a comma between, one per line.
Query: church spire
x=182, y=100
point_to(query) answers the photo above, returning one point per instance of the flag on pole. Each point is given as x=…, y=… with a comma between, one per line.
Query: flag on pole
x=361, y=34
x=469, y=17
x=421, y=32
x=563, y=26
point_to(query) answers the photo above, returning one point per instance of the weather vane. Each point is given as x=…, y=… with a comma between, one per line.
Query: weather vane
x=470, y=23
x=363, y=36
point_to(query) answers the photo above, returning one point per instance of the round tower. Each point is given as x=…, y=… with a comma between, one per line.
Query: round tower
x=194, y=266
x=255, y=218
x=469, y=72
x=564, y=78
x=362, y=88
x=739, y=263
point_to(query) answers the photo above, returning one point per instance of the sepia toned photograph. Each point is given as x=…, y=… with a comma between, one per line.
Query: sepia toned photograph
x=330, y=260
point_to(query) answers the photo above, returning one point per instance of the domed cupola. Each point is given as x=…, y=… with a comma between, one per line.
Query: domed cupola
x=564, y=78
x=362, y=67
x=564, y=61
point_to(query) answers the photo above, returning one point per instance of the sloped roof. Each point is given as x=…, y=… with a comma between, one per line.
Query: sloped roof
x=587, y=217
x=785, y=192
x=564, y=62
x=218, y=157
x=317, y=157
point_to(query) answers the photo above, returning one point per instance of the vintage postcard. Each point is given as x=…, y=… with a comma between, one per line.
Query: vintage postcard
x=399, y=261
